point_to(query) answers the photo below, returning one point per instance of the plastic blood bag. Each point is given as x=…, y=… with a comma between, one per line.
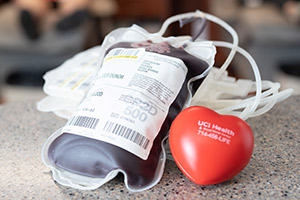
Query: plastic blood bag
x=67, y=84
x=122, y=121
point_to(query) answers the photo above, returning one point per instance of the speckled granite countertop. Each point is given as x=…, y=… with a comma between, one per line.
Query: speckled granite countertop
x=273, y=172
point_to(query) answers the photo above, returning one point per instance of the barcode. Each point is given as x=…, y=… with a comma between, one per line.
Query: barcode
x=83, y=121
x=127, y=133
x=125, y=52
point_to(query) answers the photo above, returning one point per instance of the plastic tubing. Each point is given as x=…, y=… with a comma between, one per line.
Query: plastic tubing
x=250, y=109
x=199, y=14
x=270, y=88
x=250, y=105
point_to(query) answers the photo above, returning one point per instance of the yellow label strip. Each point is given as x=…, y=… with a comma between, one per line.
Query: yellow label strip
x=133, y=57
x=81, y=80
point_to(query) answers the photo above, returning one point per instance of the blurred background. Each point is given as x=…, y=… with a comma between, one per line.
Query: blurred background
x=38, y=35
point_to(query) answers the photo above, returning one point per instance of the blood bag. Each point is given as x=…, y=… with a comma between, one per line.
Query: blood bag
x=120, y=125
x=67, y=84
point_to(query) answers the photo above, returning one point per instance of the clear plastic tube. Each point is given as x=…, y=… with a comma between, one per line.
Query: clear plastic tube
x=251, y=104
x=249, y=110
x=212, y=18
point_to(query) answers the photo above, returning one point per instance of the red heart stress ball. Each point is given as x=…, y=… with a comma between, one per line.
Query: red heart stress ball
x=210, y=148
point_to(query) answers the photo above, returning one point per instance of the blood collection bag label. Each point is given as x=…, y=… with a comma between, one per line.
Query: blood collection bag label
x=78, y=78
x=129, y=99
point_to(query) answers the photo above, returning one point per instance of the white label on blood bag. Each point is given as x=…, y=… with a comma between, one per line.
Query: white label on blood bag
x=77, y=78
x=129, y=99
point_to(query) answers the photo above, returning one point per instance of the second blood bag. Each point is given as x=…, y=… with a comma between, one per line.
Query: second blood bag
x=143, y=82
